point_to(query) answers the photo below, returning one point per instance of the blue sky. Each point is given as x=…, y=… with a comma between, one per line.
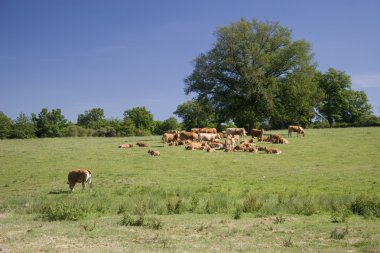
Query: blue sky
x=80, y=54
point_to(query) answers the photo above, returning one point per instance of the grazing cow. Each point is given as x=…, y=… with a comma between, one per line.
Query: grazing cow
x=236, y=131
x=208, y=137
x=125, y=145
x=153, y=152
x=272, y=151
x=79, y=176
x=188, y=136
x=141, y=144
x=257, y=133
x=208, y=130
x=297, y=129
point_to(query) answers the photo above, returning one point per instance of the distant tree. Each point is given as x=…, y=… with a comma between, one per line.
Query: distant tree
x=341, y=103
x=169, y=124
x=23, y=127
x=50, y=124
x=255, y=72
x=358, y=108
x=195, y=114
x=142, y=119
x=93, y=118
x=5, y=126
x=336, y=86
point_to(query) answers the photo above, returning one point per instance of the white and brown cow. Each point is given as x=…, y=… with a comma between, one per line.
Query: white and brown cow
x=208, y=137
x=79, y=176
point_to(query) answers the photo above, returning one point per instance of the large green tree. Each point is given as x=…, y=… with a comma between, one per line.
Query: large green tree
x=256, y=72
x=195, y=114
x=341, y=103
x=5, y=126
x=50, y=123
x=23, y=127
x=93, y=118
x=141, y=118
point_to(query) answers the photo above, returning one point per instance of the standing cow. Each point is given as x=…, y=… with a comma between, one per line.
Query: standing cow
x=79, y=176
x=297, y=129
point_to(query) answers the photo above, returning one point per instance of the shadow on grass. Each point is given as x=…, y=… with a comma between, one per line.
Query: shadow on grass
x=59, y=192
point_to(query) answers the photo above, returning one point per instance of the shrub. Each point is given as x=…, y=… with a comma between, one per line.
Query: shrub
x=63, y=211
x=279, y=220
x=173, y=205
x=129, y=220
x=251, y=204
x=366, y=206
x=237, y=213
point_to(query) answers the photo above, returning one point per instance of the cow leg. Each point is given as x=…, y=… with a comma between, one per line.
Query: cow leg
x=82, y=186
x=89, y=182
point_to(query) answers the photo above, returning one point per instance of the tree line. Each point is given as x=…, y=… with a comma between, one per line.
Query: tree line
x=255, y=76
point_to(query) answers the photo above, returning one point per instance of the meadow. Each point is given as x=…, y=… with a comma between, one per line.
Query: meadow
x=321, y=194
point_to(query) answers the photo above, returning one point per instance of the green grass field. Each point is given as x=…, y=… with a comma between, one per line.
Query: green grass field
x=193, y=201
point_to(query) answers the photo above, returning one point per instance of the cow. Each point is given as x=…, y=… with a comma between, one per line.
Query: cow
x=169, y=137
x=141, y=144
x=195, y=146
x=153, y=152
x=222, y=134
x=297, y=129
x=257, y=133
x=236, y=131
x=188, y=136
x=250, y=149
x=79, y=176
x=125, y=145
x=208, y=137
x=208, y=130
x=272, y=151
x=210, y=149
x=195, y=130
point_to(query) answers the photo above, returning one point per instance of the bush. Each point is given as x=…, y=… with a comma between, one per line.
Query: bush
x=251, y=204
x=173, y=205
x=366, y=206
x=63, y=211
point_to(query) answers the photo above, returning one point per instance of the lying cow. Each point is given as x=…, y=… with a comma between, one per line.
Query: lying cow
x=153, y=152
x=141, y=144
x=79, y=176
x=126, y=145
x=272, y=151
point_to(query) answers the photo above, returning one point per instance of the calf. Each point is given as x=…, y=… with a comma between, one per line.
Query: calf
x=297, y=129
x=153, y=152
x=79, y=176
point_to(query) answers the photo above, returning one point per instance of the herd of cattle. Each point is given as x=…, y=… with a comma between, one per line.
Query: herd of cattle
x=231, y=140
x=207, y=139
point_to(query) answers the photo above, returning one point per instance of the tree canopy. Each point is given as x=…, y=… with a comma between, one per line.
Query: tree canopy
x=253, y=72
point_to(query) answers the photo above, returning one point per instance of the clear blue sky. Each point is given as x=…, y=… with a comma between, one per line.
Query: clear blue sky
x=80, y=54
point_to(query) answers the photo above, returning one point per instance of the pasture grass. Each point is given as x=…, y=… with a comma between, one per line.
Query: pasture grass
x=193, y=201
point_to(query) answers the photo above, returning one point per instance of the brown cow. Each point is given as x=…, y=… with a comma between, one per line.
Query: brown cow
x=141, y=144
x=208, y=130
x=257, y=133
x=297, y=129
x=153, y=152
x=188, y=136
x=195, y=130
x=169, y=137
x=236, y=131
x=272, y=151
x=125, y=145
x=79, y=176
x=195, y=146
